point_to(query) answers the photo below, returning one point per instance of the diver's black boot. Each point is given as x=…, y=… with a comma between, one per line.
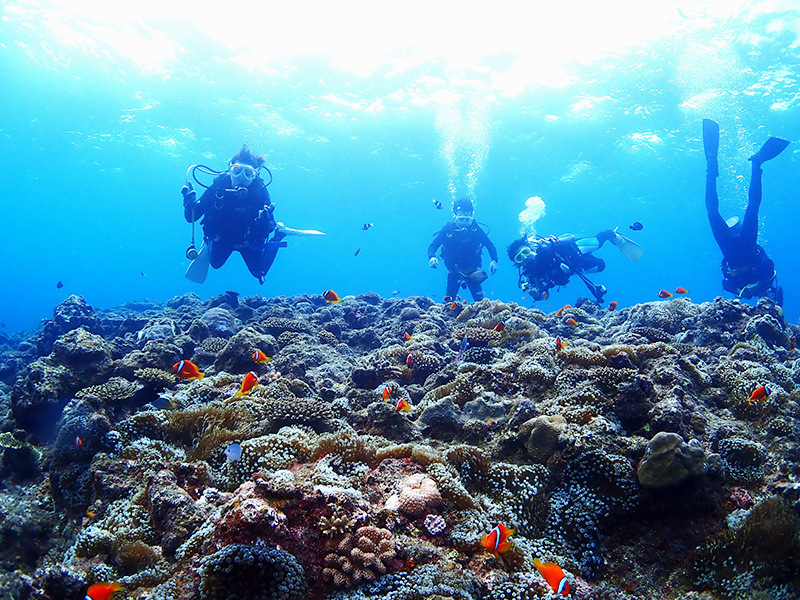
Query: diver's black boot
x=771, y=148
x=711, y=146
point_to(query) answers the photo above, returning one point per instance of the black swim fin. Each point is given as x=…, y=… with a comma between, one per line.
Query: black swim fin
x=711, y=145
x=771, y=148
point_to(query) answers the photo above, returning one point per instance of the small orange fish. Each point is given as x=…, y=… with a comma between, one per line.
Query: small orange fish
x=496, y=541
x=407, y=337
x=793, y=341
x=102, y=591
x=331, y=296
x=90, y=514
x=402, y=405
x=248, y=383
x=571, y=322
x=760, y=393
x=78, y=442
x=561, y=310
x=260, y=357
x=613, y=305
x=463, y=302
x=387, y=392
x=186, y=369
x=500, y=327
x=453, y=306
x=410, y=360
x=545, y=295
x=554, y=576
x=664, y=294
x=681, y=290
x=560, y=344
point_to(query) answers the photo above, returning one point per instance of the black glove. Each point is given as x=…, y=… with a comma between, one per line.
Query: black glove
x=189, y=196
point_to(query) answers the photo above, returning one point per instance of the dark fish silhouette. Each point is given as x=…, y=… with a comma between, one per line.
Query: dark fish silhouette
x=366, y=226
x=357, y=251
x=59, y=285
x=438, y=205
x=636, y=226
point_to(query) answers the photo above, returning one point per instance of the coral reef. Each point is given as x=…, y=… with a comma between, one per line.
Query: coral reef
x=369, y=465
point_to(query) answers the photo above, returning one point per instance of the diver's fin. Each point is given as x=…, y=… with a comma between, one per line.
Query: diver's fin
x=630, y=249
x=198, y=268
x=732, y=222
x=711, y=145
x=771, y=148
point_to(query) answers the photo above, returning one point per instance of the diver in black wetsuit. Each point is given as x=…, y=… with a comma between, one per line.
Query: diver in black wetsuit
x=545, y=263
x=746, y=269
x=462, y=241
x=238, y=215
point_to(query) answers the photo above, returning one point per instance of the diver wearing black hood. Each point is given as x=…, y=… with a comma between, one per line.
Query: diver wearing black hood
x=462, y=241
x=747, y=271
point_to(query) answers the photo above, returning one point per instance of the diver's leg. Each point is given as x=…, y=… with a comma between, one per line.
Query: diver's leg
x=253, y=258
x=475, y=290
x=220, y=251
x=592, y=264
x=453, y=281
x=749, y=232
x=719, y=228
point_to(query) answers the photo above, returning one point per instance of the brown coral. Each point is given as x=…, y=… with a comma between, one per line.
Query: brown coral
x=419, y=494
x=360, y=557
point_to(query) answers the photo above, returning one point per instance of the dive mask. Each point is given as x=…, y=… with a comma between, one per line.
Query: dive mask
x=246, y=171
x=463, y=220
x=523, y=254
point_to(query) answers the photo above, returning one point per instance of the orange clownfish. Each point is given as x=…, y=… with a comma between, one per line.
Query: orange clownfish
x=453, y=306
x=500, y=327
x=331, y=296
x=387, y=392
x=78, y=442
x=554, y=576
x=681, y=290
x=545, y=295
x=260, y=357
x=102, y=591
x=407, y=337
x=760, y=393
x=410, y=360
x=250, y=381
x=496, y=541
x=613, y=305
x=571, y=322
x=560, y=344
x=186, y=369
x=402, y=405
x=793, y=341
x=561, y=310
x=664, y=294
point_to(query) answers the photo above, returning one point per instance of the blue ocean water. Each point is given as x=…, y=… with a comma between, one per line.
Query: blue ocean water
x=368, y=117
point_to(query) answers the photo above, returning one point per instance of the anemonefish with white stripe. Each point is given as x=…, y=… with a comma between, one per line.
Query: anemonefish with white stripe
x=554, y=576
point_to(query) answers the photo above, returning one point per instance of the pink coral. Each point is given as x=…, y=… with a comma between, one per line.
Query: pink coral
x=419, y=494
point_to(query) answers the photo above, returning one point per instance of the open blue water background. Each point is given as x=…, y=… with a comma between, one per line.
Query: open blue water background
x=102, y=114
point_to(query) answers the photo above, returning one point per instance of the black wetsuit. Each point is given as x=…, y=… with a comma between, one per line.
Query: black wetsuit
x=554, y=260
x=238, y=219
x=747, y=271
x=461, y=252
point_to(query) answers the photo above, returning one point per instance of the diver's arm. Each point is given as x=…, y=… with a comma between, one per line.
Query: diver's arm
x=436, y=243
x=490, y=247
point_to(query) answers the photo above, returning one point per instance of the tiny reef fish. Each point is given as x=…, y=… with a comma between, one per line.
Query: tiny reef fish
x=357, y=251
x=636, y=226
x=554, y=576
x=260, y=357
x=453, y=306
x=561, y=310
x=387, y=392
x=664, y=294
x=331, y=296
x=78, y=442
x=500, y=327
x=571, y=322
x=366, y=226
x=496, y=541
x=186, y=369
x=59, y=285
x=681, y=290
x=407, y=337
x=410, y=360
x=402, y=405
x=248, y=383
x=613, y=305
x=438, y=205
x=233, y=452
x=102, y=591
x=762, y=392
x=560, y=344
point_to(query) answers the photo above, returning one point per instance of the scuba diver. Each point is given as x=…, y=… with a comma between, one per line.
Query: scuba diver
x=462, y=241
x=747, y=271
x=549, y=262
x=237, y=215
